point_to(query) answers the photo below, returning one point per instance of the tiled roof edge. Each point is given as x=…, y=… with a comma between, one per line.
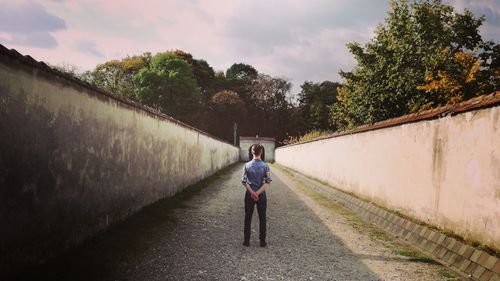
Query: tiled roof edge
x=476, y=103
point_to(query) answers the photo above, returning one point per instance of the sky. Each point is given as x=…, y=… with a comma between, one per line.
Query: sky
x=295, y=39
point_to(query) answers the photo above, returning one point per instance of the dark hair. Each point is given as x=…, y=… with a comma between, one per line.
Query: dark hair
x=257, y=149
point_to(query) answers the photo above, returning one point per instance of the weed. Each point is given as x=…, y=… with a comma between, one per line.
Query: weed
x=447, y=274
x=413, y=255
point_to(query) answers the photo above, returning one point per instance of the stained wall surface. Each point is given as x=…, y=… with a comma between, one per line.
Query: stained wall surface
x=74, y=160
x=445, y=172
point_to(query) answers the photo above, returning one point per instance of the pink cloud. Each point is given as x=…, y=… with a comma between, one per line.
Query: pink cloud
x=303, y=40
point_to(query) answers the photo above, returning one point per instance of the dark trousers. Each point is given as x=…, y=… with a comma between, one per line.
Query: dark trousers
x=261, y=210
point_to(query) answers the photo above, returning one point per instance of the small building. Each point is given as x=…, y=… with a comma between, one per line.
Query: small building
x=247, y=142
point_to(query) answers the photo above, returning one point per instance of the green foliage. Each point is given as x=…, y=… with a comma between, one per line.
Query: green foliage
x=116, y=76
x=490, y=64
x=168, y=84
x=226, y=108
x=424, y=55
x=268, y=104
x=306, y=137
x=447, y=274
x=314, y=102
x=418, y=41
x=190, y=90
x=208, y=83
x=266, y=100
x=241, y=71
x=202, y=71
x=241, y=78
x=414, y=255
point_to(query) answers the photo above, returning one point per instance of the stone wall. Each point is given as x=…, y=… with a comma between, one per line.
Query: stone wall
x=74, y=160
x=443, y=171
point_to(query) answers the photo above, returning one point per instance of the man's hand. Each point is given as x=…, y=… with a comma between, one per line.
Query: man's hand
x=255, y=196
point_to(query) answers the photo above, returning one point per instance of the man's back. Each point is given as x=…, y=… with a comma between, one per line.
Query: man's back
x=256, y=178
x=256, y=173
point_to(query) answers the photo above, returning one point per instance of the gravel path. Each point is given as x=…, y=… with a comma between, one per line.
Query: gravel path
x=206, y=243
x=201, y=240
x=377, y=253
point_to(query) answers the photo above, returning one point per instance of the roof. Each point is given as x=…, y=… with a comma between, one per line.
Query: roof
x=29, y=61
x=257, y=138
x=476, y=103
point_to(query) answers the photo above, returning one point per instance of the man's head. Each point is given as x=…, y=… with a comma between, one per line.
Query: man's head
x=257, y=149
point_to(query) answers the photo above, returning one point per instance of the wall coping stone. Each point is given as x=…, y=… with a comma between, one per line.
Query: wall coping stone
x=479, y=102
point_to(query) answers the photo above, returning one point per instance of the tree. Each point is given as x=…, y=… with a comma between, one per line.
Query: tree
x=240, y=78
x=117, y=76
x=202, y=71
x=74, y=71
x=418, y=43
x=227, y=108
x=490, y=64
x=207, y=81
x=67, y=68
x=268, y=107
x=264, y=99
x=459, y=82
x=241, y=71
x=168, y=84
x=315, y=100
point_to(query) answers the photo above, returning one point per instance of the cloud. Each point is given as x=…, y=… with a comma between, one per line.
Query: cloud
x=282, y=22
x=88, y=47
x=301, y=40
x=314, y=57
x=35, y=39
x=29, y=24
x=298, y=39
x=490, y=9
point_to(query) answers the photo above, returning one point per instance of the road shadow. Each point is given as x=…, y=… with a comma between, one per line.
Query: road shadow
x=100, y=257
x=300, y=245
x=398, y=259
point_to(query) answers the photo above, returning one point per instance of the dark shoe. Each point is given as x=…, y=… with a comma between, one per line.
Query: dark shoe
x=263, y=243
x=246, y=243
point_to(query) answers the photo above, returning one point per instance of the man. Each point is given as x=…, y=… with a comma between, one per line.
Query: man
x=256, y=178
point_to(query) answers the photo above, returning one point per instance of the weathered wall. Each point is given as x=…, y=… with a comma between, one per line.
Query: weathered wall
x=74, y=160
x=444, y=171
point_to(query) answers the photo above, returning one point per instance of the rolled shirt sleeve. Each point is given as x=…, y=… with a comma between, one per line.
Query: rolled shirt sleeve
x=244, y=178
x=267, y=176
